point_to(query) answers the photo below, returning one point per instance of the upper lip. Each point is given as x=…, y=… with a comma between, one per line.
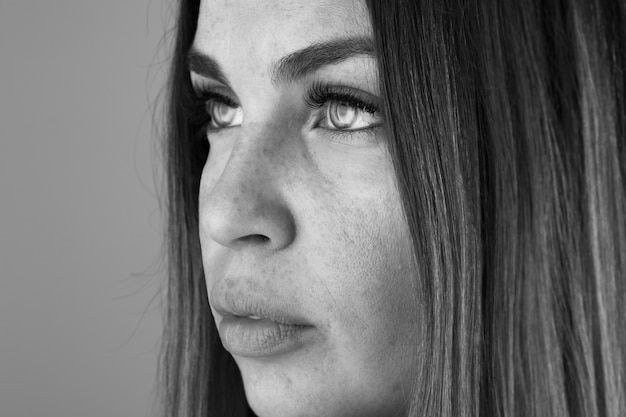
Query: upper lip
x=242, y=303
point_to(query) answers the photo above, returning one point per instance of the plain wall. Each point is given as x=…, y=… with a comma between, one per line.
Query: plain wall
x=80, y=224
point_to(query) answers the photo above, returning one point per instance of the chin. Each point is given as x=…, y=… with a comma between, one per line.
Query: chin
x=273, y=390
x=267, y=402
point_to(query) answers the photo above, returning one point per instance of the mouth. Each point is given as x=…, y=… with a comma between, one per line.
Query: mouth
x=253, y=327
x=258, y=337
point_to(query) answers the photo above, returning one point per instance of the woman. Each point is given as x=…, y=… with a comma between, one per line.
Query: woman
x=397, y=208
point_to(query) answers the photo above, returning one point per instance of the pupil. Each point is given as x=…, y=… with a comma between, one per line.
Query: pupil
x=342, y=115
x=223, y=114
x=342, y=111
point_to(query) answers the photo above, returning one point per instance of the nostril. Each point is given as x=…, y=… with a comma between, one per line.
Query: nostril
x=254, y=239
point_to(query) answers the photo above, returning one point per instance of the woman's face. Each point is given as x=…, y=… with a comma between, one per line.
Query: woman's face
x=305, y=247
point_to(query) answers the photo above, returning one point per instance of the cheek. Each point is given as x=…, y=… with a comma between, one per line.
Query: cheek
x=367, y=275
x=383, y=282
x=365, y=292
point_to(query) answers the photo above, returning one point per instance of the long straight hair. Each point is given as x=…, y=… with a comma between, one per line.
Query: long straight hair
x=506, y=125
x=197, y=376
x=551, y=84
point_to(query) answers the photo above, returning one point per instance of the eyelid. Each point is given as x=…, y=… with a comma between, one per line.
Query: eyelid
x=320, y=93
x=215, y=96
x=206, y=90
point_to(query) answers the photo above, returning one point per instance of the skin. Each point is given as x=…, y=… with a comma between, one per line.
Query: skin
x=307, y=217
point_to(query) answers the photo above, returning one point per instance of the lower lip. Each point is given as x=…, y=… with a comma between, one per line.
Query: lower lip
x=254, y=338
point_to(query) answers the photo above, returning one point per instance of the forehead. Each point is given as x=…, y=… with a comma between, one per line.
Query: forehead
x=265, y=30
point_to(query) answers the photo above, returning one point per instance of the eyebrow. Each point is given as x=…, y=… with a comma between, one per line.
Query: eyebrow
x=205, y=66
x=293, y=66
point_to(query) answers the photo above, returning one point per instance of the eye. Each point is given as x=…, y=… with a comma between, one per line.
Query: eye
x=346, y=116
x=343, y=108
x=223, y=115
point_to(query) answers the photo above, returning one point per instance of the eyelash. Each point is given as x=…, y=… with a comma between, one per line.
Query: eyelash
x=316, y=97
x=320, y=93
x=206, y=95
x=195, y=108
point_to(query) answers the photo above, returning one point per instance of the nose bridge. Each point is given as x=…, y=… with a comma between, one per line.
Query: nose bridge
x=246, y=203
x=254, y=164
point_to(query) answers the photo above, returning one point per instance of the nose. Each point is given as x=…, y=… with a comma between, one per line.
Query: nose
x=244, y=205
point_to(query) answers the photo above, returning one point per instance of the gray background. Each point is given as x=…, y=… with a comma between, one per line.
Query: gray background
x=80, y=224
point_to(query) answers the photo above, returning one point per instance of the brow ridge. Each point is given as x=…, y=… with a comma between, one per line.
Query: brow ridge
x=206, y=66
x=294, y=66
x=306, y=61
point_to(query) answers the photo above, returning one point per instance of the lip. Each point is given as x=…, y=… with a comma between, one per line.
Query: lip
x=248, y=337
x=253, y=326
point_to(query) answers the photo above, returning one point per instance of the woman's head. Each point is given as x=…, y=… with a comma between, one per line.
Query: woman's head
x=300, y=220
x=396, y=184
